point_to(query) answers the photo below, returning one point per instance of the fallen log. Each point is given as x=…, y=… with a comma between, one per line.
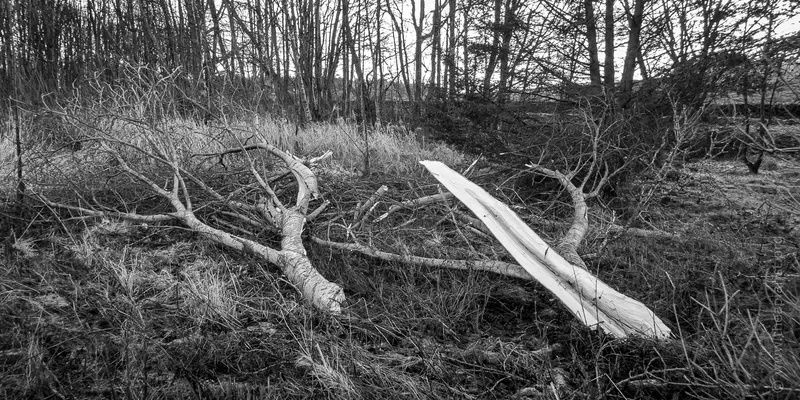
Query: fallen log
x=590, y=300
x=288, y=220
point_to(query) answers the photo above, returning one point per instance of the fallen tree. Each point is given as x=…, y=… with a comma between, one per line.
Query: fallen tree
x=215, y=185
x=257, y=205
x=589, y=299
x=561, y=269
x=159, y=151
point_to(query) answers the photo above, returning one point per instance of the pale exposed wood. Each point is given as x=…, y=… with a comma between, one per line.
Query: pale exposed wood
x=291, y=257
x=568, y=246
x=364, y=211
x=588, y=298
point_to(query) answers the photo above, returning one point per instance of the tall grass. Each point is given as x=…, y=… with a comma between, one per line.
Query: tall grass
x=390, y=151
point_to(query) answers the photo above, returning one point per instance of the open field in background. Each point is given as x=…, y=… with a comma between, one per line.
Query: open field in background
x=94, y=308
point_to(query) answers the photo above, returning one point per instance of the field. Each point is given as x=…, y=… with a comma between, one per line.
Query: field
x=99, y=307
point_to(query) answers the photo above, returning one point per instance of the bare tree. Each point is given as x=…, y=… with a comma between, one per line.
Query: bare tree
x=166, y=164
x=591, y=39
x=634, y=17
x=300, y=73
x=608, y=64
x=451, y=50
x=419, y=39
x=377, y=65
x=494, y=47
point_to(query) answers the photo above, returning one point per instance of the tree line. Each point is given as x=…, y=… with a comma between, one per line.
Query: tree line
x=379, y=60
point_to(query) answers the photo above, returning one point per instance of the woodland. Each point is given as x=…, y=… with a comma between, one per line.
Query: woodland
x=258, y=199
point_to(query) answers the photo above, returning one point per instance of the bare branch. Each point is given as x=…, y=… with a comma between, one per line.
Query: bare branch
x=415, y=203
x=362, y=213
x=306, y=180
x=109, y=214
x=497, y=267
x=569, y=244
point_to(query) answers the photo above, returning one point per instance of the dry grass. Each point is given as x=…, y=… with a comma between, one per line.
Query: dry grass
x=93, y=308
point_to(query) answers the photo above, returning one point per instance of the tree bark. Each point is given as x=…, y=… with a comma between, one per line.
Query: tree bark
x=333, y=54
x=508, y=28
x=608, y=65
x=591, y=39
x=418, y=28
x=377, y=66
x=402, y=54
x=300, y=77
x=494, y=49
x=289, y=221
x=634, y=43
x=465, y=48
x=346, y=79
x=451, y=51
x=436, y=47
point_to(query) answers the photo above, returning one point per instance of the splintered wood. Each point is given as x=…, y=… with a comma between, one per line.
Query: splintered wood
x=589, y=299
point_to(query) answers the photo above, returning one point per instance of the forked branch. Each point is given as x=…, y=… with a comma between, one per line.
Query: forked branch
x=590, y=300
x=289, y=221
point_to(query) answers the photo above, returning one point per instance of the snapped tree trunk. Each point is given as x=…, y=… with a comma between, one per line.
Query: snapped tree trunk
x=590, y=300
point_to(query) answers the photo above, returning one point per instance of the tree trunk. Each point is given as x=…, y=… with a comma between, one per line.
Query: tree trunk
x=235, y=63
x=345, y=58
x=217, y=41
x=608, y=66
x=436, y=47
x=316, y=60
x=418, y=55
x=377, y=66
x=9, y=64
x=292, y=38
x=508, y=28
x=494, y=49
x=591, y=38
x=590, y=300
x=333, y=54
x=281, y=87
x=634, y=35
x=451, y=52
x=467, y=87
x=402, y=55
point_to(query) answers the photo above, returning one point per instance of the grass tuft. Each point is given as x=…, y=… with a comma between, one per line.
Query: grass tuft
x=209, y=296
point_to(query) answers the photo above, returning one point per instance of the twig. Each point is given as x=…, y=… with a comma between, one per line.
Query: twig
x=112, y=214
x=455, y=223
x=314, y=214
x=233, y=227
x=363, y=212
